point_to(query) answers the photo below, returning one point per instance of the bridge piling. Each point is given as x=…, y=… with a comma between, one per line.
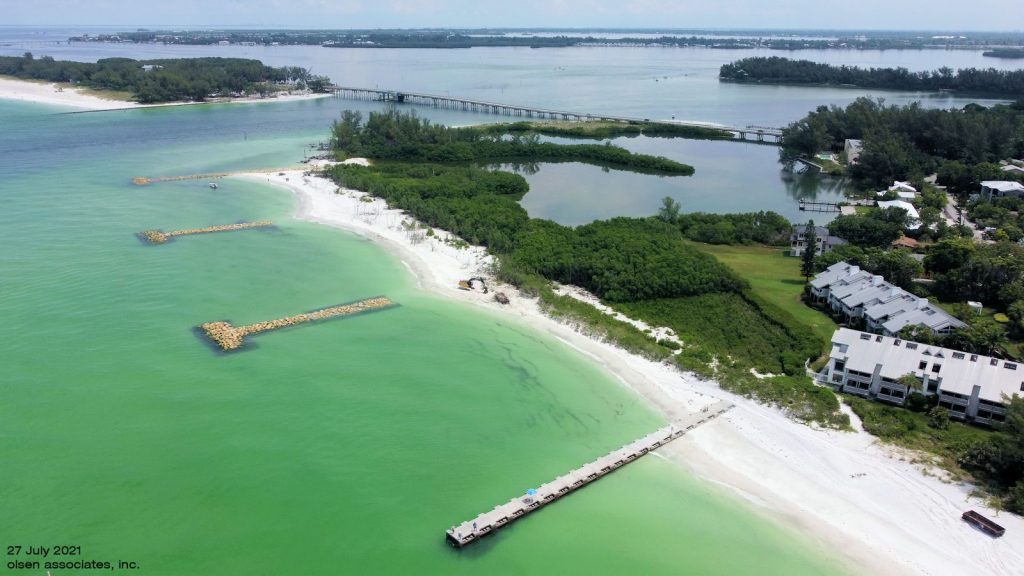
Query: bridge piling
x=763, y=133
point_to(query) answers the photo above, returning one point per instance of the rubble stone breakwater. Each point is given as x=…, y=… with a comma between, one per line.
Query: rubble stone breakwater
x=158, y=237
x=228, y=337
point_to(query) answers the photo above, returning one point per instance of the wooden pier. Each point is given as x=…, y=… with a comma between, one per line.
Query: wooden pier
x=228, y=337
x=819, y=206
x=762, y=134
x=158, y=237
x=504, y=514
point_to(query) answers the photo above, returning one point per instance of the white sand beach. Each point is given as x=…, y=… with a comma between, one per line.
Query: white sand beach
x=862, y=503
x=57, y=95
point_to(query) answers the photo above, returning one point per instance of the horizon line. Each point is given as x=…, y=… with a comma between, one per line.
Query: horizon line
x=251, y=26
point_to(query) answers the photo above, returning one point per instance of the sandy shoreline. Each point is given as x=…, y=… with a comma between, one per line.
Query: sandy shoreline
x=854, y=499
x=54, y=95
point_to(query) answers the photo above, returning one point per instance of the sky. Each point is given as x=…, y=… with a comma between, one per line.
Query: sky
x=786, y=14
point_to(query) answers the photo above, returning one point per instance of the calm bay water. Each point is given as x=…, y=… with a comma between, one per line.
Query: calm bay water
x=730, y=177
x=663, y=83
x=657, y=83
x=347, y=446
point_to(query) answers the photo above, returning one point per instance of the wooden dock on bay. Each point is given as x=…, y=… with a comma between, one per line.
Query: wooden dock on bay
x=807, y=206
x=504, y=514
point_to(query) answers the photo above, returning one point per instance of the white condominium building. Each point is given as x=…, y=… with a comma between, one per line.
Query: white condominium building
x=972, y=387
x=883, y=307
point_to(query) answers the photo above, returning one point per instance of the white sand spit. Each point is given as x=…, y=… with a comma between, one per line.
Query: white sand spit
x=55, y=95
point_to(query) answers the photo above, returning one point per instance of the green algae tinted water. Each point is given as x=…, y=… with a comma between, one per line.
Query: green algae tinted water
x=343, y=447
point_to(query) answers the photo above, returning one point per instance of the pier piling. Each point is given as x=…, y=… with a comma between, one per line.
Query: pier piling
x=763, y=133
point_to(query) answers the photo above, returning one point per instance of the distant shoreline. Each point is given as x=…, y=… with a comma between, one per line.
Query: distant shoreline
x=55, y=94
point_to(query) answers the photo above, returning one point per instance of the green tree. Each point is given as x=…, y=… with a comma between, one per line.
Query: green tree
x=913, y=399
x=848, y=253
x=982, y=338
x=669, y=211
x=999, y=460
x=810, y=251
x=918, y=333
x=938, y=418
x=897, y=266
x=877, y=228
x=930, y=216
x=887, y=156
x=1015, y=312
x=948, y=253
x=345, y=133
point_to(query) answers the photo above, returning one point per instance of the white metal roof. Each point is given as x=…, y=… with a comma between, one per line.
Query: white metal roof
x=1003, y=185
x=881, y=292
x=901, y=194
x=958, y=372
x=840, y=271
x=882, y=301
x=904, y=186
x=911, y=211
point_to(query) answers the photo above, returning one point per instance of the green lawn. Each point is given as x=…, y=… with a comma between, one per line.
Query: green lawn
x=776, y=278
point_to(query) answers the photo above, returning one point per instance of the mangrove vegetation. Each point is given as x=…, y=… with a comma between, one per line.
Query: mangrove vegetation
x=166, y=80
x=391, y=135
x=910, y=142
x=646, y=267
x=778, y=70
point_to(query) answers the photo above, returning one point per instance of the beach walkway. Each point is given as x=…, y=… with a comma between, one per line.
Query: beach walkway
x=504, y=514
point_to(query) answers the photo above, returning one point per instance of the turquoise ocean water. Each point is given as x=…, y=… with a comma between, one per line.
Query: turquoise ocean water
x=343, y=447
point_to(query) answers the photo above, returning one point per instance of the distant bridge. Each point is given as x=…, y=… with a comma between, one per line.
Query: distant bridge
x=762, y=134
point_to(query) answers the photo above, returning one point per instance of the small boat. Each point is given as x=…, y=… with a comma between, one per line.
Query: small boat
x=984, y=524
x=212, y=185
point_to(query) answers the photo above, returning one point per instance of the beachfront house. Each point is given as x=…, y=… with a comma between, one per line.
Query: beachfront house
x=1000, y=188
x=824, y=241
x=915, y=218
x=905, y=242
x=902, y=190
x=868, y=300
x=972, y=387
x=898, y=186
x=900, y=194
x=852, y=150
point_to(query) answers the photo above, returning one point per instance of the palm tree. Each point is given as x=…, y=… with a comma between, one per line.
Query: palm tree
x=912, y=384
x=810, y=251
